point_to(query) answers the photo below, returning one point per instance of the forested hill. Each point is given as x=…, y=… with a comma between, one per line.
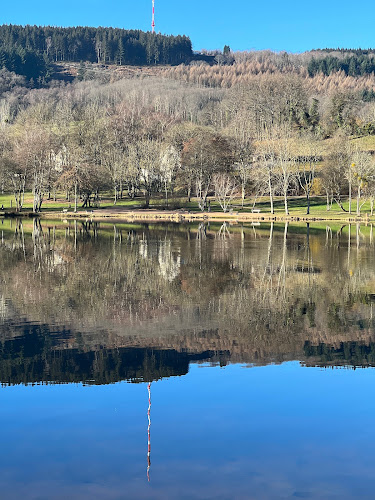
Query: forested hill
x=28, y=50
x=355, y=64
x=32, y=51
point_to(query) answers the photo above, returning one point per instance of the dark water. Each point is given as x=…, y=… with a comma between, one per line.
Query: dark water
x=255, y=345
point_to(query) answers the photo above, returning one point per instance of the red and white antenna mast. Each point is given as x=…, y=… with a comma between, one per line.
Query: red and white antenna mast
x=149, y=432
x=153, y=16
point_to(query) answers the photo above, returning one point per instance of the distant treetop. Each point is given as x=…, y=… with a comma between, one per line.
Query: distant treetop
x=28, y=49
x=358, y=52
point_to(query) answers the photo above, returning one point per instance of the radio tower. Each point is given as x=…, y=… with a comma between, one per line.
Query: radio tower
x=153, y=16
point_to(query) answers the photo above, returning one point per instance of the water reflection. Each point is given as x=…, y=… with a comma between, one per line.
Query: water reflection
x=39, y=355
x=149, y=432
x=89, y=301
x=165, y=307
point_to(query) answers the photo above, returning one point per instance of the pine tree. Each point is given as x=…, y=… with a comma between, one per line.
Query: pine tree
x=120, y=53
x=81, y=71
x=314, y=113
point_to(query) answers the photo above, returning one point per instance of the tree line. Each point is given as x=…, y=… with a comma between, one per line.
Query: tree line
x=25, y=62
x=33, y=356
x=356, y=354
x=159, y=138
x=353, y=65
x=37, y=46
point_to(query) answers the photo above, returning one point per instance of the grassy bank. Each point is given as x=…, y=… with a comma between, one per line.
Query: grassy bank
x=180, y=208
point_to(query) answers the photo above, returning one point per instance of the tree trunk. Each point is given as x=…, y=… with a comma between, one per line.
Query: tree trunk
x=147, y=199
x=358, y=200
x=75, y=197
x=308, y=203
x=271, y=194
x=86, y=201
x=34, y=201
x=131, y=191
x=338, y=201
x=286, y=203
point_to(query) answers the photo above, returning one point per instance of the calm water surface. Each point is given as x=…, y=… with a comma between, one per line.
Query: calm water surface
x=192, y=362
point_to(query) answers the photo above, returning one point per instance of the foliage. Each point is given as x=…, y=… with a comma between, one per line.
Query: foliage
x=353, y=65
x=35, y=46
x=25, y=62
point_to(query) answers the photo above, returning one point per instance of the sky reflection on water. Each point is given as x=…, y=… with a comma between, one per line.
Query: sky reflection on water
x=85, y=307
x=280, y=431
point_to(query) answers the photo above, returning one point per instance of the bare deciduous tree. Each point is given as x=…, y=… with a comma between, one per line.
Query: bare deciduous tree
x=206, y=154
x=307, y=160
x=226, y=189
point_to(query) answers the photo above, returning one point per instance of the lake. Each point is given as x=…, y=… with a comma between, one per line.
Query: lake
x=197, y=361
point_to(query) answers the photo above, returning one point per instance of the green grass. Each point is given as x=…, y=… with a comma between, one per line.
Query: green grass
x=7, y=200
x=297, y=205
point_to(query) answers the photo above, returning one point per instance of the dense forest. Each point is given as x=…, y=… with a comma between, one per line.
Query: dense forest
x=28, y=50
x=353, y=65
x=25, y=62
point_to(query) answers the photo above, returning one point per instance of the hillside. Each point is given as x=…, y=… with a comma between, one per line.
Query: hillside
x=161, y=130
x=36, y=52
x=29, y=50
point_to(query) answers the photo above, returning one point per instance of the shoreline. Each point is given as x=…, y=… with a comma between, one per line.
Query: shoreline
x=180, y=216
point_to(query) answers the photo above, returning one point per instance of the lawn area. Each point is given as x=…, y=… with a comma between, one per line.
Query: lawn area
x=297, y=205
x=7, y=200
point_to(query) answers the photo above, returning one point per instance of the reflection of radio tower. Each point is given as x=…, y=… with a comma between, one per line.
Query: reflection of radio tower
x=153, y=16
x=149, y=433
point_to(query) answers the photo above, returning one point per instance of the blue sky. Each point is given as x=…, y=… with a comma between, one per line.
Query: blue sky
x=243, y=24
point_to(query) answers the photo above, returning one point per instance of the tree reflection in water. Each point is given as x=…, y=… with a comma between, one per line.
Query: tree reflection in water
x=97, y=303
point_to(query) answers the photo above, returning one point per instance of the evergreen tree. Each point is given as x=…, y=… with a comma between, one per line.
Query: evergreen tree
x=314, y=113
x=103, y=45
x=81, y=71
